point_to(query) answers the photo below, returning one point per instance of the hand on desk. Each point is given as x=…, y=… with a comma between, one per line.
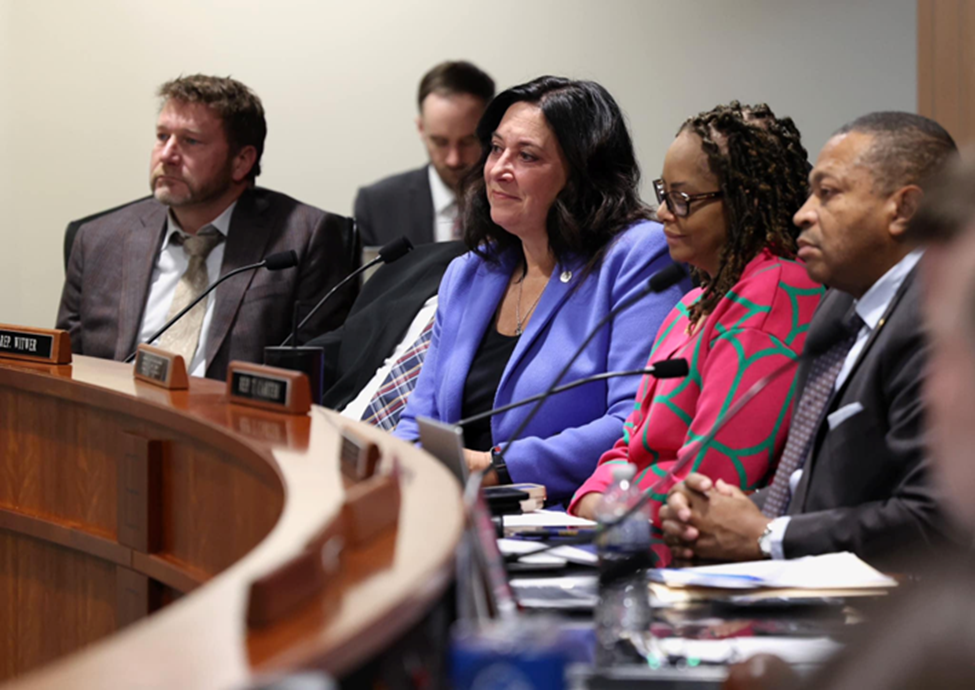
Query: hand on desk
x=478, y=461
x=586, y=508
x=711, y=520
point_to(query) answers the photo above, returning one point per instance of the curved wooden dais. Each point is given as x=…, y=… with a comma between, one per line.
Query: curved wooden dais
x=134, y=520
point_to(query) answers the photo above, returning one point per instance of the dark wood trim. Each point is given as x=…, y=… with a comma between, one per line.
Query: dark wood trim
x=67, y=536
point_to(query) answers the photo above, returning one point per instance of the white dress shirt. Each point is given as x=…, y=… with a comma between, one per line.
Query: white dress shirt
x=871, y=307
x=171, y=264
x=444, y=207
x=357, y=407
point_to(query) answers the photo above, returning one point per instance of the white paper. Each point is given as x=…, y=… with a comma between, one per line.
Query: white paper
x=546, y=518
x=559, y=556
x=829, y=571
x=567, y=592
x=792, y=650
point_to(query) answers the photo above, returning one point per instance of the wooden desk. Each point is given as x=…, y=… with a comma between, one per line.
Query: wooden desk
x=235, y=491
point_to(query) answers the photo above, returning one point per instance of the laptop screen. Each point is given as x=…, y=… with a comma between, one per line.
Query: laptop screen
x=445, y=442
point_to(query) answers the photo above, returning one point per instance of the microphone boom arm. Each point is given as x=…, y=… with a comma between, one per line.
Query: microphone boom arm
x=158, y=334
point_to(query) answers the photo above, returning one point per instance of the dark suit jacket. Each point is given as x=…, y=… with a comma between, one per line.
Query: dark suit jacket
x=396, y=206
x=867, y=486
x=113, y=258
x=379, y=318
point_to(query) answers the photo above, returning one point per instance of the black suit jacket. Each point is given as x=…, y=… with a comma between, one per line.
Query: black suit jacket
x=379, y=318
x=867, y=485
x=113, y=258
x=396, y=206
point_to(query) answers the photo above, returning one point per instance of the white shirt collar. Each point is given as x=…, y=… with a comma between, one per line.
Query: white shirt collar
x=221, y=223
x=872, y=306
x=444, y=198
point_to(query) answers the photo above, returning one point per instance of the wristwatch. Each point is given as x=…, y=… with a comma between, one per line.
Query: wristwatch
x=765, y=541
x=499, y=466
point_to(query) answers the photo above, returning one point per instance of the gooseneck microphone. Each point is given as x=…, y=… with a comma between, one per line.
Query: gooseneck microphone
x=665, y=369
x=388, y=253
x=658, y=282
x=274, y=262
x=817, y=343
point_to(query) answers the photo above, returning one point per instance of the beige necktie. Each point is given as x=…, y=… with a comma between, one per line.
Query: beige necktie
x=184, y=336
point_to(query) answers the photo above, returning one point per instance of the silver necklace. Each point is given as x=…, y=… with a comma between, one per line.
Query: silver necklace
x=518, y=321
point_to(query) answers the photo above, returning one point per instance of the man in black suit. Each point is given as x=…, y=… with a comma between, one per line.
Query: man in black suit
x=421, y=204
x=855, y=475
x=398, y=300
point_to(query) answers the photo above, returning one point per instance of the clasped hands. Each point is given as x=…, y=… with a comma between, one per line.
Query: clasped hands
x=711, y=521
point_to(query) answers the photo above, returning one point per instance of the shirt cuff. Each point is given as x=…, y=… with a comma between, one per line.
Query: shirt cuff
x=777, y=535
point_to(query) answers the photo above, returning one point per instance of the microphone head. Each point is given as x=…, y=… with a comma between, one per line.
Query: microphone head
x=670, y=369
x=397, y=249
x=666, y=277
x=281, y=260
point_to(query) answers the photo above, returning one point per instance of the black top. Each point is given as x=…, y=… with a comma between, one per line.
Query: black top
x=482, y=384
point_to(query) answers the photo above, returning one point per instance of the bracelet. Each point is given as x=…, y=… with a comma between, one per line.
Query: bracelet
x=765, y=541
x=499, y=466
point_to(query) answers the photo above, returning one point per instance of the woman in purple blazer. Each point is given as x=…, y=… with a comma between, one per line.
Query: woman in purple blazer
x=559, y=237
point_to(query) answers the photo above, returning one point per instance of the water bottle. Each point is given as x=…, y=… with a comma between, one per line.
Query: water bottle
x=623, y=613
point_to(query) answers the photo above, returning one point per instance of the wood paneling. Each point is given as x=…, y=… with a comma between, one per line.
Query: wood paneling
x=117, y=506
x=215, y=497
x=946, y=65
x=54, y=601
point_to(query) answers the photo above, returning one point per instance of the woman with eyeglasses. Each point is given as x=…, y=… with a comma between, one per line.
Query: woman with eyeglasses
x=732, y=180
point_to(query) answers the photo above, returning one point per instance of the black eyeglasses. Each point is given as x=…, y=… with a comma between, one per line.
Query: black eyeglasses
x=678, y=202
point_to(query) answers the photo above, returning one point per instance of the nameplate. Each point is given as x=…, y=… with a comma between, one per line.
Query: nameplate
x=372, y=507
x=35, y=344
x=160, y=368
x=269, y=388
x=358, y=458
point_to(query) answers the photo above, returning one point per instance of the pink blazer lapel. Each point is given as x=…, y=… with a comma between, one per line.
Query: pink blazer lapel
x=142, y=245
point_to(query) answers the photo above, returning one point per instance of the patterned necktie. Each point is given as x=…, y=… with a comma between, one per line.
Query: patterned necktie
x=815, y=397
x=184, y=336
x=457, y=232
x=387, y=404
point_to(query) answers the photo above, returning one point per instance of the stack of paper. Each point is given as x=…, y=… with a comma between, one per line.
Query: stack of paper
x=554, y=558
x=829, y=575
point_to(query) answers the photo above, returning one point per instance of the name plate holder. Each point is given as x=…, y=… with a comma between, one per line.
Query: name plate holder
x=268, y=388
x=371, y=508
x=45, y=345
x=358, y=457
x=160, y=368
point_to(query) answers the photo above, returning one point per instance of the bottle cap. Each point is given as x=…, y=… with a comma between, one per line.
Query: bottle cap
x=621, y=472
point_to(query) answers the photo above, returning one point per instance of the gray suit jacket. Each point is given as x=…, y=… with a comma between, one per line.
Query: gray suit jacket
x=396, y=206
x=113, y=257
x=867, y=485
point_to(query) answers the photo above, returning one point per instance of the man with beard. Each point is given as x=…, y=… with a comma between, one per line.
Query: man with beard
x=134, y=268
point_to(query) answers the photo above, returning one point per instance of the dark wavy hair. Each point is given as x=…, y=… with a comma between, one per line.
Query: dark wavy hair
x=601, y=195
x=239, y=108
x=763, y=171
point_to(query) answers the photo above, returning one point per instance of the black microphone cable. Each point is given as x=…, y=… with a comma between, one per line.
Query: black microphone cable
x=274, y=262
x=664, y=369
x=388, y=253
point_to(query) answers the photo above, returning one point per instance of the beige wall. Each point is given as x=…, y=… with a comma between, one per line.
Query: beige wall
x=338, y=81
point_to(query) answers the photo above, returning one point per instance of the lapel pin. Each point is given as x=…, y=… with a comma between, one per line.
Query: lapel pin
x=566, y=276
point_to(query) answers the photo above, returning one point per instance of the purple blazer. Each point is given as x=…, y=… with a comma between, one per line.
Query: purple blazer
x=562, y=444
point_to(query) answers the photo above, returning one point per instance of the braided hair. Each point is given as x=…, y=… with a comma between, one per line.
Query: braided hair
x=763, y=171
